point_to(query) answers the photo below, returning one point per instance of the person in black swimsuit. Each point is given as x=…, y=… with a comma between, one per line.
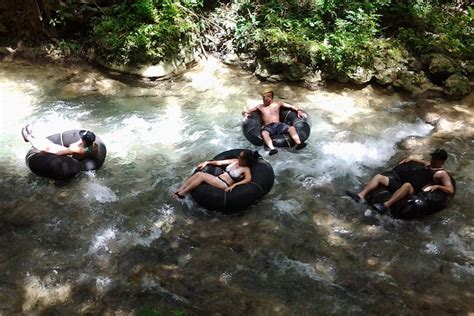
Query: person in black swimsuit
x=431, y=177
x=237, y=172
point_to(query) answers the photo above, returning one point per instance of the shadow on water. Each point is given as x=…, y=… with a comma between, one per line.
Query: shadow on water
x=116, y=241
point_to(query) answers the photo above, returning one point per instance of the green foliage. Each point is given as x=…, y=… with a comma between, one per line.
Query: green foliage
x=341, y=35
x=69, y=48
x=439, y=29
x=153, y=312
x=146, y=31
x=326, y=34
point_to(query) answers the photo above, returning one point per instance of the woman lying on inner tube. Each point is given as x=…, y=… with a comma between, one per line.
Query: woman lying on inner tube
x=237, y=172
x=84, y=148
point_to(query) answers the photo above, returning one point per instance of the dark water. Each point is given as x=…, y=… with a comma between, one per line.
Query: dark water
x=115, y=242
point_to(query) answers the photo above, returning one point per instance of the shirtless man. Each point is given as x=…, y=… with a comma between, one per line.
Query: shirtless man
x=430, y=178
x=270, y=111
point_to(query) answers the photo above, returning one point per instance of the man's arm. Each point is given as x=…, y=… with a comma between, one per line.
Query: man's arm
x=248, y=112
x=424, y=162
x=446, y=184
x=292, y=107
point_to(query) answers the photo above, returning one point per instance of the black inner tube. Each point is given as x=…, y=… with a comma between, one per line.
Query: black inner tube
x=414, y=206
x=242, y=196
x=252, y=128
x=63, y=167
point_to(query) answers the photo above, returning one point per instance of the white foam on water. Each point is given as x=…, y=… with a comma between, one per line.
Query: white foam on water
x=98, y=192
x=102, y=240
x=102, y=284
x=113, y=240
x=432, y=249
x=291, y=207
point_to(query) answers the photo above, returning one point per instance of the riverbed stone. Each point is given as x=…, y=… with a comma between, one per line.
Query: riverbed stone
x=261, y=70
x=416, y=83
x=361, y=75
x=441, y=67
x=313, y=81
x=457, y=86
x=163, y=70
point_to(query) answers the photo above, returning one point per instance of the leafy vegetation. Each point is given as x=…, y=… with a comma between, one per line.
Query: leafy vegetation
x=146, y=30
x=340, y=35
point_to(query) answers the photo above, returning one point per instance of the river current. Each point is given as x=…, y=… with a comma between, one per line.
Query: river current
x=115, y=241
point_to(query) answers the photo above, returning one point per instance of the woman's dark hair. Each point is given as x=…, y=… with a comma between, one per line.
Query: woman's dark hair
x=87, y=137
x=250, y=156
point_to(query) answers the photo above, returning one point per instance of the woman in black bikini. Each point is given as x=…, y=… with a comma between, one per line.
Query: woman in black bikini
x=82, y=149
x=237, y=172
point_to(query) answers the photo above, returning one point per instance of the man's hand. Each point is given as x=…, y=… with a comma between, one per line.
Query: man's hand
x=404, y=161
x=431, y=188
x=301, y=114
x=246, y=114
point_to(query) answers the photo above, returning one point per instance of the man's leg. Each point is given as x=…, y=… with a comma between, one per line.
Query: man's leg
x=401, y=193
x=373, y=183
x=268, y=141
x=294, y=135
x=296, y=138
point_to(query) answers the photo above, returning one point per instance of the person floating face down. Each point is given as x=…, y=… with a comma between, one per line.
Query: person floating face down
x=430, y=178
x=84, y=148
x=236, y=172
x=270, y=112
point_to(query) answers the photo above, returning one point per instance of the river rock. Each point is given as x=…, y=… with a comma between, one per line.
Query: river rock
x=441, y=67
x=295, y=72
x=231, y=59
x=313, y=81
x=385, y=71
x=361, y=75
x=416, y=83
x=162, y=70
x=261, y=70
x=457, y=86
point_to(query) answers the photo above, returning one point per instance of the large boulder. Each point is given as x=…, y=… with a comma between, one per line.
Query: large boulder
x=441, y=67
x=361, y=75
x=416, y=83
x=162, y=70
x=457, y=86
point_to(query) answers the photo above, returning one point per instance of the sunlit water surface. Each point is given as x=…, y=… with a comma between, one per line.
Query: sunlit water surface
x=115, y=241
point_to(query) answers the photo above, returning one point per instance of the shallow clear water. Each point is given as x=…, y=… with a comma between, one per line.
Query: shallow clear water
x=115, y=241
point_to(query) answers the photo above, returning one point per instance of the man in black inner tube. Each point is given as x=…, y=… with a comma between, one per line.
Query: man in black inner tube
x=430, y=178
x=270, y=111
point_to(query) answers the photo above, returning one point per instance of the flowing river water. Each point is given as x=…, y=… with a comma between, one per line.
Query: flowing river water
x=115, y=242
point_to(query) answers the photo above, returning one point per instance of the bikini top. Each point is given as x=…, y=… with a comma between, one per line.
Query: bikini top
x=234, y=172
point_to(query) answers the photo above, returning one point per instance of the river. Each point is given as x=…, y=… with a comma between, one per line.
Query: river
x=115, y=241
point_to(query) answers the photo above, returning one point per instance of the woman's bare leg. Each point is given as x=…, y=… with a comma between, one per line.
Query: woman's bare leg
x=200, y=178
x=187, y=182
x=44, y=144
